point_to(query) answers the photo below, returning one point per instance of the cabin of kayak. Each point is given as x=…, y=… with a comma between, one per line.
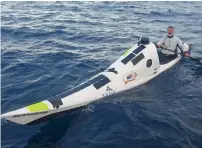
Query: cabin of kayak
x=135, y=67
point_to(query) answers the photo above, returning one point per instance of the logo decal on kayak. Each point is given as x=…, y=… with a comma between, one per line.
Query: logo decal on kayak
x=56, y=103
x=155, y=70
x=128, y=77
x=109, y=91
x=30, y=114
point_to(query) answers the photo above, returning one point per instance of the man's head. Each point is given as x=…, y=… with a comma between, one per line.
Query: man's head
x=170, y=30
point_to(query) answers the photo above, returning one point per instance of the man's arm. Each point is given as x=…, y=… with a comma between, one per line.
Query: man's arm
x=180, y=44
x=182, y=48
x=160, y=42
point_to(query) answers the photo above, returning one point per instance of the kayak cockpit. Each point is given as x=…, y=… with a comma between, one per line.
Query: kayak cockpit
x=165, y=59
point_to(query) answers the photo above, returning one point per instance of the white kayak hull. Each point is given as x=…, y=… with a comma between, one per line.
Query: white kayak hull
x=135, y=67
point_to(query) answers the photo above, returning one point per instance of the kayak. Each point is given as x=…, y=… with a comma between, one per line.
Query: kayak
x=136, y=66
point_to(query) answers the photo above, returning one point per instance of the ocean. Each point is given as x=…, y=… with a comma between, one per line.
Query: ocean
x=49, y=47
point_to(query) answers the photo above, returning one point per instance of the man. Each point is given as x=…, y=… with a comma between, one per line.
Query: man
x=171, y=42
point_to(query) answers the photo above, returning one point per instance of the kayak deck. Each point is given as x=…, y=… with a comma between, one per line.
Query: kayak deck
x=163, y=59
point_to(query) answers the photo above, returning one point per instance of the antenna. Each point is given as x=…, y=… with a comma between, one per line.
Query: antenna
x=140, y=37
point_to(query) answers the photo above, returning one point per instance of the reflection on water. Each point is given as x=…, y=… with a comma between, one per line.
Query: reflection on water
x=52, y=132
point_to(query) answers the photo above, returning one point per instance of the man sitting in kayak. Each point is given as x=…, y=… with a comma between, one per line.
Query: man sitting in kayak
x=169, y=45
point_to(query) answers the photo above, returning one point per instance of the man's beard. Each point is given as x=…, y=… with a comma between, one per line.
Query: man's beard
x=170, y=34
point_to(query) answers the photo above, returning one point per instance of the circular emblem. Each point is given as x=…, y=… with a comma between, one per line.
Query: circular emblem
x=129, y=77
x=149, y=63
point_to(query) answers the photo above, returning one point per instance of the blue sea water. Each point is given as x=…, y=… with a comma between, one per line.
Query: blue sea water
x=50, y=47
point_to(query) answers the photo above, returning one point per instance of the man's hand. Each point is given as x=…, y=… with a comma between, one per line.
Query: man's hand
x=158, y=45
x=186, y=54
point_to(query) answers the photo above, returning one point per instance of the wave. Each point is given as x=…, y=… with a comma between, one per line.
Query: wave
x=170, y=13
x=26, y=32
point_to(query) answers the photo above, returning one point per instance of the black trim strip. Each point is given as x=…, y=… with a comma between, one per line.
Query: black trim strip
x=56, y=103
x=96, y=79
x=112, y=70
x=137, y=59
x=78, y=88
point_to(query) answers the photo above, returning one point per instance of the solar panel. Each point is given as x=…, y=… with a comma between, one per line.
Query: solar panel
x=101, y=83
x=128, y=58
x=137, y=59
x=97, y=82
x=139, y=49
